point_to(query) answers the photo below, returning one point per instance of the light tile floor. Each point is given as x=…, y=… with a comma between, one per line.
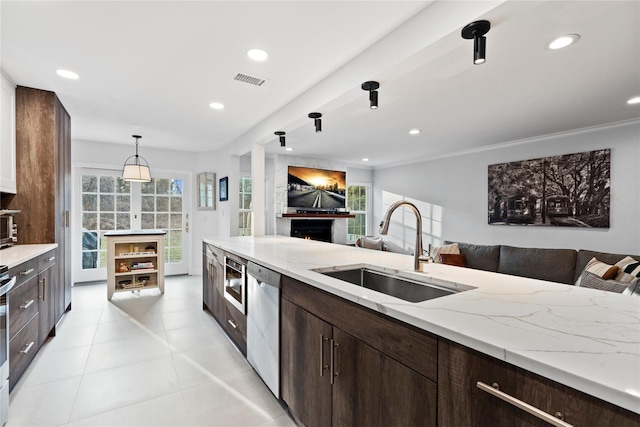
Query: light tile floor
x=143, y=359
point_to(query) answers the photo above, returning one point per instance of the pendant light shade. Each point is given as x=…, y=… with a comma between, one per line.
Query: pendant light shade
x=136, y=168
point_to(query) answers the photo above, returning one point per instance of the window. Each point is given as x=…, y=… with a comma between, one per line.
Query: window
x=245, y=207
x=358, y=202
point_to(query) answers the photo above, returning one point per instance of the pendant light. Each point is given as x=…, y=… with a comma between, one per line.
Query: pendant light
x=134, y=170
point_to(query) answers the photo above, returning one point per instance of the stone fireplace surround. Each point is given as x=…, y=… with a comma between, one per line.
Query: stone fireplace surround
x=283, y=225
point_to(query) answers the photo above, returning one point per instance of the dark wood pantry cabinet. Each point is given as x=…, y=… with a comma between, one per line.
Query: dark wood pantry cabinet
x=43, y=174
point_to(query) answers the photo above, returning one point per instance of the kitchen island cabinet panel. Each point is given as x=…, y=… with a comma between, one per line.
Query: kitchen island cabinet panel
x=331, y=377
x=383, y=333
x=304, y=354
x=461, y=403
x=372, y=389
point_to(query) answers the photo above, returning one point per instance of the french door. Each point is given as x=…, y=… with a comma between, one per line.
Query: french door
x=104, y=202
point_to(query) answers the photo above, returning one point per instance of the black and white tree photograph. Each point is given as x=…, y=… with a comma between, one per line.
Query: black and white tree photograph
x=571, y=190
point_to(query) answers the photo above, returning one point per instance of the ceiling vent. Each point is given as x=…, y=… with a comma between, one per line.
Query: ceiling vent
x=256, y=81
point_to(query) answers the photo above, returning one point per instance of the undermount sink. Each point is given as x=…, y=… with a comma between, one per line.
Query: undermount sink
x=388, y=283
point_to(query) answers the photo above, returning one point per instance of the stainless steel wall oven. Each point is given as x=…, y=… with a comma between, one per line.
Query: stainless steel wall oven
x=235, y=283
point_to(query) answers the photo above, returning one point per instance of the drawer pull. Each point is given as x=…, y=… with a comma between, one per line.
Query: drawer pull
x=26, y=304
x=24, y=273
x=50, y=259
x=494, y=391
x=233, y=324
x=27, y=348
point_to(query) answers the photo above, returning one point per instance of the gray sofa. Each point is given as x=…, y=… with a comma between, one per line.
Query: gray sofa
x=555, y=265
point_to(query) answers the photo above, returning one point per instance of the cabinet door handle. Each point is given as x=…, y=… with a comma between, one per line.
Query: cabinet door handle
x=26, y=304
x=494, y=391
x=27, y=348
x=24, y=273
x=44, y=285
x=50, y=259
x=66, y=219
x=334, y=373
x=232, y=323
x=323, y=366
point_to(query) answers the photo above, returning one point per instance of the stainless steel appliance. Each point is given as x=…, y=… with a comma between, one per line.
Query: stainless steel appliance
x=263, y=324
x=235, y=283
x=6, y=283
x=8, y=228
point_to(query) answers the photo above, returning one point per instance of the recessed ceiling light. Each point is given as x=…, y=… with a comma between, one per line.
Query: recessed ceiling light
x=563, y=41
x=634, y=100
x=257, y=54
x=67, y=74
x=216, y=106
x=414, y=131
x=365, y=159
x=289, y=149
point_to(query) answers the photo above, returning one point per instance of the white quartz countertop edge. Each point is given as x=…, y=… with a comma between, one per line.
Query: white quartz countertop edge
x=586, y=339
x=18, y=254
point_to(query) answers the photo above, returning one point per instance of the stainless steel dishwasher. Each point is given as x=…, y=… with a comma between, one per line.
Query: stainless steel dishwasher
x=263, y=324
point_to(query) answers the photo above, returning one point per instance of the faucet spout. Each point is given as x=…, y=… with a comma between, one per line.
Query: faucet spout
x=418, y=259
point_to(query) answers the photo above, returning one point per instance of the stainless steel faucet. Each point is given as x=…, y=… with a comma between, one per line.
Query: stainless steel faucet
x=418, y=258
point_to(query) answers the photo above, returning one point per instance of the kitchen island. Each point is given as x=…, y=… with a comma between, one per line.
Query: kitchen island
x=585, y=339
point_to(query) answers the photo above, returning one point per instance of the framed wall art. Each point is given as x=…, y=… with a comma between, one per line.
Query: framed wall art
x=571, y=190
x=224, y=188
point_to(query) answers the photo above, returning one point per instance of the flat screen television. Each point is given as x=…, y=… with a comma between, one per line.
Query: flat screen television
x=316, y=189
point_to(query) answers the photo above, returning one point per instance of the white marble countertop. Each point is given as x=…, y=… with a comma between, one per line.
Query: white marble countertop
x=583, y=338
x=16, y=255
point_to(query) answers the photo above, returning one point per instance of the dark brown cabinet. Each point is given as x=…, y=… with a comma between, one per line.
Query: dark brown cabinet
x=344, y=365
x=47, y=278
x=212, y=280
x=43, y=173
x=32, y=315
x=23, y=319
x=232, y=320
x=462, y=403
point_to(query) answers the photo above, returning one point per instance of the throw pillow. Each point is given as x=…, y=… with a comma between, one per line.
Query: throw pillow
x=633, y=289
x=370, y=242
x=593, y=281
x=459, y=260
x=629, y=269
x=444, y=249
x=600, y=269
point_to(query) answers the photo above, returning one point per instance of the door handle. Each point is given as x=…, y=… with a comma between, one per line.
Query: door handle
x=232, y=323
x=323, y=366
x=44, y=285
x=494, y=390
x=334, y=373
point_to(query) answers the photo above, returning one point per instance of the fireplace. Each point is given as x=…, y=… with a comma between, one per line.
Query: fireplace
x=313, y=229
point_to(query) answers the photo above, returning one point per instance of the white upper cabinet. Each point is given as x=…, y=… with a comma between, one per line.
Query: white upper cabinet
x=7, y=136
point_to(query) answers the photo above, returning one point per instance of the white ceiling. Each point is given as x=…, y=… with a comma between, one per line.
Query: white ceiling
x=152, y=67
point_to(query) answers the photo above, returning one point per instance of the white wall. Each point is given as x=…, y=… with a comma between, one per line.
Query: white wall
x=112, y=156
x=453, y=192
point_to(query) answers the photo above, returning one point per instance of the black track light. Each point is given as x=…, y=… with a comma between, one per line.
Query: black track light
x=316, y=121
x=476, y=31
x=372, y=87
x=281, y=135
